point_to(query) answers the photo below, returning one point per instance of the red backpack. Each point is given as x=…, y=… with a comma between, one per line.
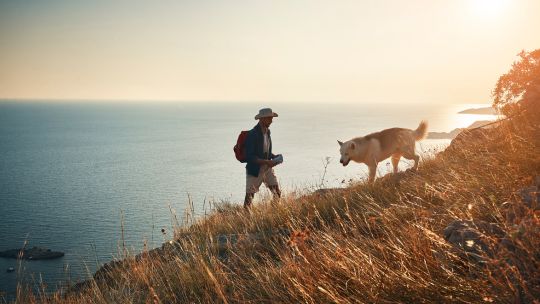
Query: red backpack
x=239, y=148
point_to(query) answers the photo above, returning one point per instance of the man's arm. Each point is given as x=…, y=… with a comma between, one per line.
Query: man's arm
x=272, y=155
x=251, y=155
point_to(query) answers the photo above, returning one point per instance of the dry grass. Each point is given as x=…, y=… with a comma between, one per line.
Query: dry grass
x=379, y=243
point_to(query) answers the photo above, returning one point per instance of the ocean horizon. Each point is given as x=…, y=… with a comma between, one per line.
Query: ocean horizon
x=76, y=176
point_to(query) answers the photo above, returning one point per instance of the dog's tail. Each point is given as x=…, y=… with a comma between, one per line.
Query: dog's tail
x=421, y=131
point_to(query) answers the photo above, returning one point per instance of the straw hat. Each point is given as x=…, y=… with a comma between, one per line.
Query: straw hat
x=266, y=112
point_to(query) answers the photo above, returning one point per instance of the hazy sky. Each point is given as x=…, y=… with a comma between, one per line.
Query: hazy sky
x=450, y=51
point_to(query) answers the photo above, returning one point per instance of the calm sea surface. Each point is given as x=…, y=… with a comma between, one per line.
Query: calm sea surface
x=69, y=173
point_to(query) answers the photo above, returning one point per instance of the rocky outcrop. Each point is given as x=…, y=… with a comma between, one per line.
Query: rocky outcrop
x=511, y=252
x=479, y=239
x=472, y=238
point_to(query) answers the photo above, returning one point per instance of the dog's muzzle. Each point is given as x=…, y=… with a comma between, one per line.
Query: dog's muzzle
x=344, y=163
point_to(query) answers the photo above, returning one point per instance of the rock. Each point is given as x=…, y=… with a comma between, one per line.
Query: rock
x=34, y=253
x=529, y=199
x=471, y=238
x=507, y=244
x=530, y=196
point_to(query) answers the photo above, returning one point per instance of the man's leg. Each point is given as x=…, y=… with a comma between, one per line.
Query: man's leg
x=275, y=191
x=248, y=200
x=270, y=180
x=252, y=186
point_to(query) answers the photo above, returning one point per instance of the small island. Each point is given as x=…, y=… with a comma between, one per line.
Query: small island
x=34, y=253
x=452, y=134
x=480, y=111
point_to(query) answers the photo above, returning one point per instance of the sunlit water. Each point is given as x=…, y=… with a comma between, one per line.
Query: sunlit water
x=69, y=174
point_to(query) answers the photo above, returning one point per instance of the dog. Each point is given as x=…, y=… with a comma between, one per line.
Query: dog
x=376, y=147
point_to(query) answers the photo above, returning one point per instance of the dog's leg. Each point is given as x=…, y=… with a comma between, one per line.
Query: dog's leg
x=409, y=153
x=416, y=161
x=395, y=162
x=413, y=156
x=372, y=172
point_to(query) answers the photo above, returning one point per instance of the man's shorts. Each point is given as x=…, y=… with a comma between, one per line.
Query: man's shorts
x=266, y=176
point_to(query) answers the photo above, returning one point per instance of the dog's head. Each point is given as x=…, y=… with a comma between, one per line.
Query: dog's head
x=345, y=149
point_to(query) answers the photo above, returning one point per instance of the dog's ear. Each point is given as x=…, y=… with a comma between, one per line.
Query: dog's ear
x=340, y=143
x=352, y=146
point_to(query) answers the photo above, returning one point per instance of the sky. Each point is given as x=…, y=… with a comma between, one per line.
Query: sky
x=377, y=51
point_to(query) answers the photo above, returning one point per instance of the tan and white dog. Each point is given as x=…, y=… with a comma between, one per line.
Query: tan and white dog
x=375, y=147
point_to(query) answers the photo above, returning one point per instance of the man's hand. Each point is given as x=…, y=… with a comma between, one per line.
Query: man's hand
x=270, y=163
x=266, y=162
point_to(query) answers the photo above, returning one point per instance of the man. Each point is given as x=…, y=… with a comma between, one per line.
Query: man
x=259, y=157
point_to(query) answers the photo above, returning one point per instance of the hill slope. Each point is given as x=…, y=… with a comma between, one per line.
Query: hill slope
x=388, y=242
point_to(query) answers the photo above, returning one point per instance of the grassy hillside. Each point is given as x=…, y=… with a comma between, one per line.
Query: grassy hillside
x=379, y=243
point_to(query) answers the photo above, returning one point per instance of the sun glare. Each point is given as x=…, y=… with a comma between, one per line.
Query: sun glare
x=466, y=120
x=488, y=8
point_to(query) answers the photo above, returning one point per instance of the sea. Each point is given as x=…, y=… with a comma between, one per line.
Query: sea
x=91, y=178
